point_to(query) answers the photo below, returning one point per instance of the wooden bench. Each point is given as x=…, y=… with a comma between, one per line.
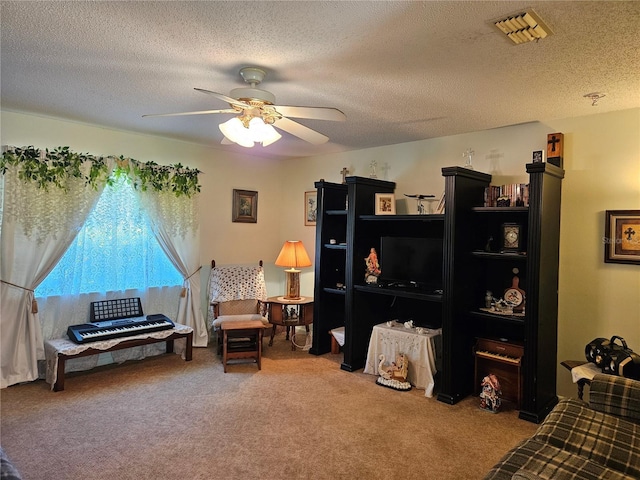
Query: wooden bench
x=58, y=351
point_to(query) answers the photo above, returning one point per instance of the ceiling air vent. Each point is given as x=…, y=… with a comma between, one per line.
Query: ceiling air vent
x=523, y=27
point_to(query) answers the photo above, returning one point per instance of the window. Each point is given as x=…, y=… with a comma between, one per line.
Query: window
x=115, y=250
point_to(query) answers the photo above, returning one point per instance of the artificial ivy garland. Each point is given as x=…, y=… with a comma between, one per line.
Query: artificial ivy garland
x=54, y=167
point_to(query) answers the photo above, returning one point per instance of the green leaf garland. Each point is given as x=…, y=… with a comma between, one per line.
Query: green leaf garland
x=53, y=168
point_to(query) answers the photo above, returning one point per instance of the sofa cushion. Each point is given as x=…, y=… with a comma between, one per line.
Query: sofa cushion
x=615, y=395
x=238, y=318
x=524, y=475
x=535, y=459
x=606, y=440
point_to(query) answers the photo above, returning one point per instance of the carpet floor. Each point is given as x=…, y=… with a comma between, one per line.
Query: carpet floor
x=300, y=417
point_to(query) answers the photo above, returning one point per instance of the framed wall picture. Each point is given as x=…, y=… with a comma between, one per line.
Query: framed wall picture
x=245, y=206
x=622, y=236
x=537, y=156
x=385, y=204
x=310, y=207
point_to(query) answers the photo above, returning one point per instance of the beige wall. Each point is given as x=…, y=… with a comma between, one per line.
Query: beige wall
x=602, y=163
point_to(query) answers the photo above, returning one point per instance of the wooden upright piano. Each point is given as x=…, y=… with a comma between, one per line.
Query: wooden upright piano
x=504, y=360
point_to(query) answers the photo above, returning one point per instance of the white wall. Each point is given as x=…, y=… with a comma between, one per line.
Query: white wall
x=602, y=164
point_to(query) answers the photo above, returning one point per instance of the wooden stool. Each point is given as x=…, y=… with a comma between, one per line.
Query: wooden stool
x=241, y=339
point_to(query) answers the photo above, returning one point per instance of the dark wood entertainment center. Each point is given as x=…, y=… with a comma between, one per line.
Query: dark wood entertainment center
x=347, y=228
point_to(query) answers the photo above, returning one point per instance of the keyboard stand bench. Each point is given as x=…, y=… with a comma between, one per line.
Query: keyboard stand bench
x=57, y=351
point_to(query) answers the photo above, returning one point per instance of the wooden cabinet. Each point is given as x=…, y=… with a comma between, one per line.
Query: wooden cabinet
x=358, y=306
x=339, y=260
x=476, y=262
x=330, y=264
x=473, y=261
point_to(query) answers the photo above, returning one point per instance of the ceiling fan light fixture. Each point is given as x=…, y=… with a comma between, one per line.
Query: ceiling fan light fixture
x=262, y=132
x=236, y=132
x=256, y=132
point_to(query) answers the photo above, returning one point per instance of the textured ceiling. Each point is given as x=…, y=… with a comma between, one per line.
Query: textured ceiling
x=400, y=71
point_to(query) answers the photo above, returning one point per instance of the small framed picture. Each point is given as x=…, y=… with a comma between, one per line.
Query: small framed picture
x=310, y=207
x=537, y=156
x=440, y=207
x=245, y=206
x=385, y=204
x=622, y=236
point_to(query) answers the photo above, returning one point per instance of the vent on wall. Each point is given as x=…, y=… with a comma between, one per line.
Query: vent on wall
x=523, y=27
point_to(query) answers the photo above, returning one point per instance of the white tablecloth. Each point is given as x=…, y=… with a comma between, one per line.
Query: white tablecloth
x=584, y=372
x=420, y=349
x=67, y=347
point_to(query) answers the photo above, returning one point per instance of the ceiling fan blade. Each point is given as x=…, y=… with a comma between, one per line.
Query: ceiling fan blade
x=317, y=113
x=201, y=112
x=300, y=131
x=224, y=98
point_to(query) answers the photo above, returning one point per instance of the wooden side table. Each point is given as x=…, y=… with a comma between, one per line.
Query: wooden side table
x=570, y=365
x=290, y=314
x=241, y=339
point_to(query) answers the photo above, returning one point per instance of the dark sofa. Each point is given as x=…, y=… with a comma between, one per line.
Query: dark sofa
x=598, y=440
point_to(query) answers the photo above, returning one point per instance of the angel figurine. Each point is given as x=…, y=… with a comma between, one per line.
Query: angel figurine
x=373, y=267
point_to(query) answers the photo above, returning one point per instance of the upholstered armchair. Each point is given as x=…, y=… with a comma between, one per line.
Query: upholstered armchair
x=236, y=293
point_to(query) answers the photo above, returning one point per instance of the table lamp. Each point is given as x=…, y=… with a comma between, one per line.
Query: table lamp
x=293, y=255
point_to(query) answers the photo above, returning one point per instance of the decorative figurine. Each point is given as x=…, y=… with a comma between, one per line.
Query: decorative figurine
x=420, y=198
x=394, y=375
x=469, y=155
x=488, y=299
x=373, y=267
x=373, y=165
x=344, y=172
x=490, y=394
x=487, y=247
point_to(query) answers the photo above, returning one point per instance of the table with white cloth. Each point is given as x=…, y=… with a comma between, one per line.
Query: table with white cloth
x=581, y=373
x=421, y=349
x=58, y=350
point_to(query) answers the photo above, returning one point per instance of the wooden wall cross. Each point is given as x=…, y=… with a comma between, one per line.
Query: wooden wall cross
x=555, y=147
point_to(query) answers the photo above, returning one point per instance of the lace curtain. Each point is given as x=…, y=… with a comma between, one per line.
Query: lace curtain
x=121, y=246
x=37, y=227
x=174, y=222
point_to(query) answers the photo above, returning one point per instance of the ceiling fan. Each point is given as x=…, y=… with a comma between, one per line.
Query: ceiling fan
x=257, y=114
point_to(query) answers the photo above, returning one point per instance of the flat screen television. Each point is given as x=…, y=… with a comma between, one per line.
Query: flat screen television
x=411, y=262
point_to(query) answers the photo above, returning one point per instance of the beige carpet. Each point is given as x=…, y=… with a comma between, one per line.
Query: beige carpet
x=300, y=417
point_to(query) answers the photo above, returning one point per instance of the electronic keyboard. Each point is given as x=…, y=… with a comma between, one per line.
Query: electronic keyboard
x=104, y=330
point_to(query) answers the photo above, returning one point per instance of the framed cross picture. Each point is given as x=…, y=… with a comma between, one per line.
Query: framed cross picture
x=622, y=236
